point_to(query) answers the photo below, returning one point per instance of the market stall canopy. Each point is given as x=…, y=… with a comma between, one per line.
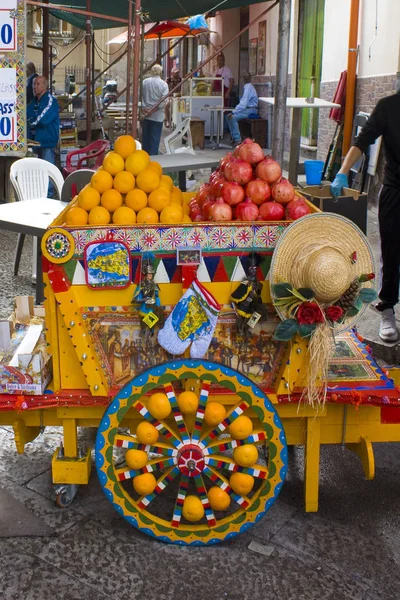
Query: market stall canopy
x=167, y=30
x=157, y=10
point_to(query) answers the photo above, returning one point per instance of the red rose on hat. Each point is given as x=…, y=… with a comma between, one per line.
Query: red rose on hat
x=334, y=313
x=309, y=313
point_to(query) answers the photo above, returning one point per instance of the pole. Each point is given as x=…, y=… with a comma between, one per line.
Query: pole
x=45, y=43
x=92, y=75
x=88, y=57
x=128, y=68
x=282, y=63
x=351, y=76
x=76, y=11
x=136, y=69
x=67, y=54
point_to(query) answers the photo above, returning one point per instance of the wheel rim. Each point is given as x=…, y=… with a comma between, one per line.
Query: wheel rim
x=191, y=455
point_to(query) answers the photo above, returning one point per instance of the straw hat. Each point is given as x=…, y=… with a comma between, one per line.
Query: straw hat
x=326, y=253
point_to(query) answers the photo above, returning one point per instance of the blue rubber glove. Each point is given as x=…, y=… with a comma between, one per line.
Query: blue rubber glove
x=340, y=181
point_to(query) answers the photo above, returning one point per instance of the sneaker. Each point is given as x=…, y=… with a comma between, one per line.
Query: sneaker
x=387, y=328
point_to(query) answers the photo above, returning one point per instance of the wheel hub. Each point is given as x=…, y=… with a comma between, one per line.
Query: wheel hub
x=191, y=460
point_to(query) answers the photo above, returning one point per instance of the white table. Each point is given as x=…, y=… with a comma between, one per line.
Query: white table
x=32, y=217
x=298, y=105
x=214, y=110
x=184, y=161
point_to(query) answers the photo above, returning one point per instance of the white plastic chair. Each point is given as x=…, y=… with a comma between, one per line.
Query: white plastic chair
x=30, y=179
x=173, y=141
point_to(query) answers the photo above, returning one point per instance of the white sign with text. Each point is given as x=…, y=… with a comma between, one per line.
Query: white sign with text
x=8, y=26
x=8, y=98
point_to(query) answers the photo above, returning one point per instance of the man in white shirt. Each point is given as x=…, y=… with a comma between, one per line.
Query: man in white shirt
x=154, y=88
x=227, y=78
x=247, y=106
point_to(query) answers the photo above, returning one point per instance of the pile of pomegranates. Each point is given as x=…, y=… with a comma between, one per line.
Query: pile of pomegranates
x=247, y=186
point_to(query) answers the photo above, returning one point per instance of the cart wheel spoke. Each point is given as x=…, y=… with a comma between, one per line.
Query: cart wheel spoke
x=162, y=482
x=232, y=415
x=129, y=442
x=198, y=424
x=224, y=462
x=154, y=465
x=201, y=490
x=179, y=420
x=223, y=483
x=180, y=499
x=163, y=429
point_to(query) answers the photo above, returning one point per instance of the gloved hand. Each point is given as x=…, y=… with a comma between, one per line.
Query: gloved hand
x=340, y=181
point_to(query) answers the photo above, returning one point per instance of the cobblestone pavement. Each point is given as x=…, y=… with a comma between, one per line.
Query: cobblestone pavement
x=350, y=549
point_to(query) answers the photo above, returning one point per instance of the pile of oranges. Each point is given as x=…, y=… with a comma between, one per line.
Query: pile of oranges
x=129, y=188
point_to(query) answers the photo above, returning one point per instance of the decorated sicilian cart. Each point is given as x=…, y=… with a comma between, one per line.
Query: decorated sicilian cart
x=201, y=349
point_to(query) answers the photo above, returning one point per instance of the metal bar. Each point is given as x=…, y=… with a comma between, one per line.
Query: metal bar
x=351, y=76
x=282, y=63
x=214, y=54
x=128, y=68
x=88, y=61
x=92, y=73
x=77, y=11
x=45, y=41
x=136, y=68
x=294, y=145
x=67, y=54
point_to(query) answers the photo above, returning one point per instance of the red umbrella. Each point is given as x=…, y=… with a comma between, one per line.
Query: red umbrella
x=170, y=29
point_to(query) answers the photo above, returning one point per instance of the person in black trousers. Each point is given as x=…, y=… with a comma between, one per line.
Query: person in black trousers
x=384, y=121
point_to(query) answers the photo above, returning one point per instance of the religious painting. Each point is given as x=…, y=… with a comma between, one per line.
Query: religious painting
x=262, y=34
x=253, y=43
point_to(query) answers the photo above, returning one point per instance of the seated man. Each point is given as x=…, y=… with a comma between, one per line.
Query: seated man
x=247, y=106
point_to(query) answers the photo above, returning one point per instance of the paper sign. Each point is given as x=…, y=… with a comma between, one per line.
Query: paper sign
x=8, y=25
x=8, y=100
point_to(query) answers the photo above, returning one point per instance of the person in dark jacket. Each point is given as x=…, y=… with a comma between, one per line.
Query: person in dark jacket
x=43, y=120
x=384, y=121
x=30, y=76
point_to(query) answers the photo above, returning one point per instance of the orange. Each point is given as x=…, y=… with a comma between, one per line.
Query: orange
x=167, y=181
x=241, y=427
x=124, y=216
x=156, y=166
x=113, y=163
x=193, y=509
x=158, y=199
x=137, y=162
x=186, y=219
x=124, y=182
x=176, y=196
x=218, y=499
x=159, y=406
x=101, y=181
x=171, y=214
x=186, y=210
x=88, y=198
x=144, y=484
x=76, y=216
x=99, y=216
x=136, y=200
x=188, y=402
x=125, y=145
x=148, y=180
x=136, y=459
x=246, y=455
x=147, y=216
x=146, y=433
x=111, y=200
x=214, y=413
x=241, y=483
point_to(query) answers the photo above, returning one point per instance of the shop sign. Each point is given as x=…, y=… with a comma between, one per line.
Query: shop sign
x=8, y=101
x=8, y=25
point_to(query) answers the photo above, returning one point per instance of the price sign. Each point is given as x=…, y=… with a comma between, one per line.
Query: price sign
x=8, y=100
x=8, y=25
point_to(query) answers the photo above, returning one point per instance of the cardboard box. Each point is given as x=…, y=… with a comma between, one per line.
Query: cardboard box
x=353, y=204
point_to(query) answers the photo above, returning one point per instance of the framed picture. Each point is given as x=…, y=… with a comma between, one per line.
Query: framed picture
x=107, y=265
x=188, y=256
x=253, y=43
x=262, y=33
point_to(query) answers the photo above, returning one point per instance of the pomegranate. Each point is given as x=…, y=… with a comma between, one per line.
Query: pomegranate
x=217, y=186
x=224, y=161
x=252, y=153
x=271, y=211
x=283, y=192
x=239, y=170
x=258, y=190
x=246, y=211
x=240, y=146
x=197, y=218
x=214, y=175
x=220, y=211
x=269, y=170
x=232, y=193
x=296, y=209
x=203, y=193
x=207, y=204
x=194, y=209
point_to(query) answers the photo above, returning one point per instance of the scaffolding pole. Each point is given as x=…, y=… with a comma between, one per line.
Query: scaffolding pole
x=282, y=64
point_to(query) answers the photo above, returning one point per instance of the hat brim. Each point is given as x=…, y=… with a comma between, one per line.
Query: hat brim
x=322, y=227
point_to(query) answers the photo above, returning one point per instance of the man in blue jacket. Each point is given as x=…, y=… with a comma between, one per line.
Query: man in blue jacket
x=43, y=120
x=247, y=106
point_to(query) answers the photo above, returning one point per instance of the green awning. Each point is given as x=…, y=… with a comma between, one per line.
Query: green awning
x=157, y=10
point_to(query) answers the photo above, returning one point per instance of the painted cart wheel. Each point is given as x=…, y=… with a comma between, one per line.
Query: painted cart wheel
x=203, y=480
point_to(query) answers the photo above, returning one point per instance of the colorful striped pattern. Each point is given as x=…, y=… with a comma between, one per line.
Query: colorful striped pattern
x=201, y=490
x=253, y=438
x=163, y=429
x=198, y=424
x=161, y=485
x=124, y=442
x=183, y=488
x=224, y=485
x=229, y=465
x=179, y=420
x=236, y=412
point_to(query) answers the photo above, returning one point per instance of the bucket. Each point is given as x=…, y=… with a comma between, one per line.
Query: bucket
x=314, y=170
